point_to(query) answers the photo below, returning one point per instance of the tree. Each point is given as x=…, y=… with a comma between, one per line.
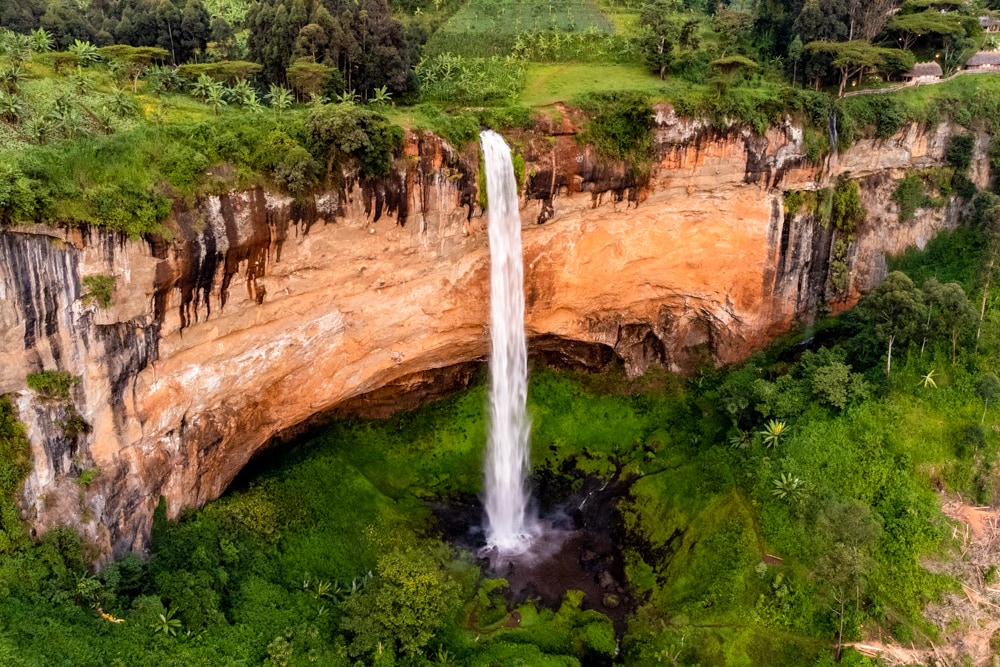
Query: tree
x=795, y=55
x=134, y=60
x=931, y=292
x=868, y=17
x=169, y=18
x=195, y=28
x=306, y=77
x=850, y=58
x=911, y=27
x=400, y=611
x=822, y=21
x=662, y=33
x=849, y=531
x=987, y=388
x=957, y=313
x=895, y=310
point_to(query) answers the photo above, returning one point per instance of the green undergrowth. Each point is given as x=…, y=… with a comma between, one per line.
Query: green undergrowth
x=129, y=180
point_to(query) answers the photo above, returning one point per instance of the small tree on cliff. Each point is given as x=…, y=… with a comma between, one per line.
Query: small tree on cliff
x=895, y=310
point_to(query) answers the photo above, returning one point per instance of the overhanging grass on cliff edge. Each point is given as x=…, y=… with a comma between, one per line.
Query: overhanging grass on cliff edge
x=129, y=180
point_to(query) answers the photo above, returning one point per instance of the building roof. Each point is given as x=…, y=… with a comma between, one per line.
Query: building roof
x=988, y=21
x=925, y=69
x=984, y=58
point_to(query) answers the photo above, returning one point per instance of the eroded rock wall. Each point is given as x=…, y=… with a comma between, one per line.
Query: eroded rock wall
x=263, y=312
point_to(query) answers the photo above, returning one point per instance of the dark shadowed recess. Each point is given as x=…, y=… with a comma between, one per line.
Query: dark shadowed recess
x=416, y=389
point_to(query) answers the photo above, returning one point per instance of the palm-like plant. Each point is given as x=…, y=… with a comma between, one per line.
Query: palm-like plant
x=347, y=97
x=85, y=52
x=318, y=99
x=66, y=118
x=79, y=82
x=928, y=380
x=241, y=92
x=739, y=440
x=37, y=129
x=41, y=40
x=252, y=103
x=11, y=107
x=18, y=48
x=279, y=97
x=121, y=103
x=203, y=87
x=217, y=99
x=787, y=487
x=166, y=624
x=11, y=78
x=773, y=432
x=382, y=96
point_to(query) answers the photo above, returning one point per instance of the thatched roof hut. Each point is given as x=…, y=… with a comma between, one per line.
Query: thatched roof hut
x=924, y=71
x=984, y=60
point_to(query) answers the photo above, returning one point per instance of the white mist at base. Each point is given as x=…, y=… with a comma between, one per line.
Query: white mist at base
x=510, y=528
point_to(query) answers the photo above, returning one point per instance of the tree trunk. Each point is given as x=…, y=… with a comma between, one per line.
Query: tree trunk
x=173, y=55
x=986, y=404
x=888, y=362
x=982, y=307
x=954, y=343
x=843, y=83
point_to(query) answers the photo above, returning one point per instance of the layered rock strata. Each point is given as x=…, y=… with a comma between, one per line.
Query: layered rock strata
x=263, y=312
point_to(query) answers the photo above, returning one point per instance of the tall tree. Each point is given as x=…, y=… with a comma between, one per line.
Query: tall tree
x=895, y=311
x=850, y=58
x=867, y=18
x=195, y=29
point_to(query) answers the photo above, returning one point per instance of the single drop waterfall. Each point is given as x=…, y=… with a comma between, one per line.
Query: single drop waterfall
x=510, y=527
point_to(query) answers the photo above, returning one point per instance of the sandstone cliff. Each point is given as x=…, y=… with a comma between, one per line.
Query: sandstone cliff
x=263, y=312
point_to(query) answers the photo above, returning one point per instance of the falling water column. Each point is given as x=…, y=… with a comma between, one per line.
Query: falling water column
x=509, y=525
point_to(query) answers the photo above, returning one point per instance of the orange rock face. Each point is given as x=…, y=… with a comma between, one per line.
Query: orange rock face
x=264, y=313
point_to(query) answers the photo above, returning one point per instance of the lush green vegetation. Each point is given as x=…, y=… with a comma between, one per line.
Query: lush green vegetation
x=100, y=290
x=54, y=385
x=775, y=509
x=110, y=115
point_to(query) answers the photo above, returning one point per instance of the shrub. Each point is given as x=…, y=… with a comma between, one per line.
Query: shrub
x=344, y=131
x=620, y=125
x=959, y=152
x=101, y=289
x=15, y=463
x=410, y=598
x=22, y=199
x=125, y=206
x=847, y=211
x=910, y=196
x=52, y=384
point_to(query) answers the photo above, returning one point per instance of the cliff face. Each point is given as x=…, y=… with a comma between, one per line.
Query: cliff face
x=264, y=312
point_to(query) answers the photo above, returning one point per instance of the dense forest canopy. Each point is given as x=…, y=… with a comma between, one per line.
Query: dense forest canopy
x=369, y=44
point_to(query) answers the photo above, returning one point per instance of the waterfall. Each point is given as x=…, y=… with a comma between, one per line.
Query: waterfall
x=507, y=502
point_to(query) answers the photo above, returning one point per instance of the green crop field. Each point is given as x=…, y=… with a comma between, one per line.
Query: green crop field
x=490, y=27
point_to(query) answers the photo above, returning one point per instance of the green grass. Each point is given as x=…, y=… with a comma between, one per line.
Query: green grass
x=562, y=82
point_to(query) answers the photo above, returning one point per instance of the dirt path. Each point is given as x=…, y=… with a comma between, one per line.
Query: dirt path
x=968, y=620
